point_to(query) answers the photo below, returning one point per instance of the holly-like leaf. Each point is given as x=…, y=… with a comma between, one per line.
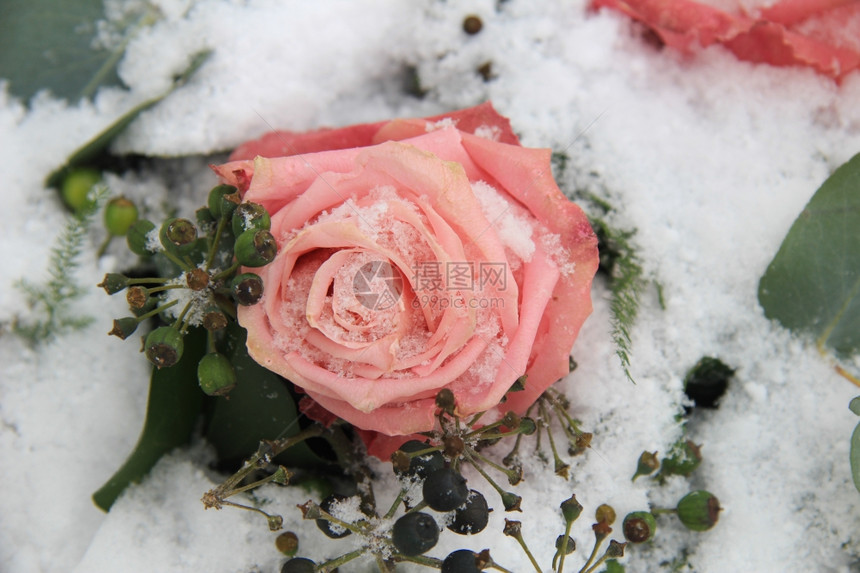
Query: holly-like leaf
x=260, y=407
x=813, y=283
x=174, y=406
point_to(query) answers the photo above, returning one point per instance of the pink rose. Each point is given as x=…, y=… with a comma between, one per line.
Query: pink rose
x=821, y=34
x=414, y=255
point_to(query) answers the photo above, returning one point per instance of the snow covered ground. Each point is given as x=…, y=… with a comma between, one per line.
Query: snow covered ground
x=711, y=159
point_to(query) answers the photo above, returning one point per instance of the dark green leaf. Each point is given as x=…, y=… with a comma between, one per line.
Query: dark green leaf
x=813, y=283
x=260, y=407
x=45, y=44
x=855, y=457
x=854, y=405
x=174, y=405
x=88, y=153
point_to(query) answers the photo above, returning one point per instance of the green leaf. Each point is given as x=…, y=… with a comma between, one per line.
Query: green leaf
x=89, y=153
x=45, y=44
x=175, y=403
x=854, y=405
x=855, y=456
x=260, y=407
x=812, y=284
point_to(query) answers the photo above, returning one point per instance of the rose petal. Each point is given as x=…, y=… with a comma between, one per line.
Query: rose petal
x=682, y=24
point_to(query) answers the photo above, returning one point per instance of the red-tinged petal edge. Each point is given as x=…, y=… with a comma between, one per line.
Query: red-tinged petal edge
x=286, y=143
x=765, y=38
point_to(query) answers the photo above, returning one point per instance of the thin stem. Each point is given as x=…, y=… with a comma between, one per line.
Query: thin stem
x=180, y=320
x=104, y=246
x=213, y=248
x=185, y=266
x=227, y=272
x=847, y=375
x=148, y=280
x=333, y=564
x=157, y=310
x=216, y=496
x=422, y=560
x=563, y=549
x=165, y=287
x=397, y=501
x=598, y=541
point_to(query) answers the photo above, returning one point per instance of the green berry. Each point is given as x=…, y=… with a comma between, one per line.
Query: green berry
x=163, y=346
x=120, y=215
x=247, y=288
x=249, y=216
x=124, y=327
x=178, y=235
x=571, y=509
x=256, y=248
x=223, y=199
x=445, y=489
x=646, y=465
x=569, y=548
x=215, y=374
x=77, y=185
x=114, y=283
x=683, y=460
x=699, y=510
x=414, y=533
x=138, y=237
x=639, y=527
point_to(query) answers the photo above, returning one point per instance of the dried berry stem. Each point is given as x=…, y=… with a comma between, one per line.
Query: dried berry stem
x=397, y=501
x=421, y=560
x=599, y=538
x=333, y=564
x=216, y=497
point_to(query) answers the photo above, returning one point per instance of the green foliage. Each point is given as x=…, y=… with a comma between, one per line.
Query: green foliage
x=172, y=411
x=45, y=44
x=619, y=263
x=92, y=151
x=51, y=303
x=813, y=283
x=854, y=456
x=812, y=286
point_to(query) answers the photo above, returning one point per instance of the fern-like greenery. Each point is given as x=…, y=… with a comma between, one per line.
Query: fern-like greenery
x=619, y=262
x=51, y=302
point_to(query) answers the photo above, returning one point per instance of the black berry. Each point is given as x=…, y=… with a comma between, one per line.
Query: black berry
x=420, y=466
x=473, y=516
x=461, y=561
x=445, y=490
x=299, y=565
x=330, y=529
x=415, y=533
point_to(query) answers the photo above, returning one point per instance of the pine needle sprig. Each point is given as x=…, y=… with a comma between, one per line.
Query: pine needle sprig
x=619, y=258
x=51, y=301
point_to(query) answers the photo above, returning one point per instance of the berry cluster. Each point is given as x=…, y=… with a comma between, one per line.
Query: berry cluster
x=198, y=282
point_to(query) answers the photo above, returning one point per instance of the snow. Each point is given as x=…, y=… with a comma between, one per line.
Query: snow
x=710, y=159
